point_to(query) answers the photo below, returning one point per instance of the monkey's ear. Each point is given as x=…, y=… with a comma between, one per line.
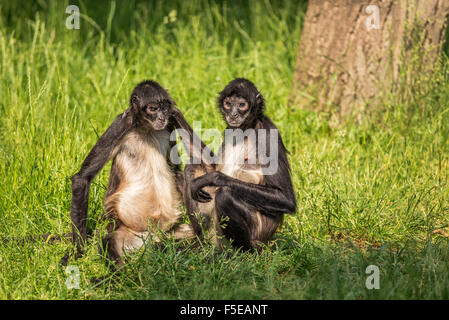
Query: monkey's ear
x=135, y=102
x=259, y=99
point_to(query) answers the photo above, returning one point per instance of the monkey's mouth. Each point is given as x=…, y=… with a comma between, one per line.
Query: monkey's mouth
x=158, y=124
x=234, y=122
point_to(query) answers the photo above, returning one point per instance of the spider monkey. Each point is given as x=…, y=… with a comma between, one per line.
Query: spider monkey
x=144, y=190
x=242, y=188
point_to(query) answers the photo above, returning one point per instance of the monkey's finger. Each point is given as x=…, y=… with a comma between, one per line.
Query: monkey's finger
x=203, y=196
x=195, y=193
x=196, y=196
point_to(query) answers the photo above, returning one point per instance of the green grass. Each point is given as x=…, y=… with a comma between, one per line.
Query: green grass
x=370, y=194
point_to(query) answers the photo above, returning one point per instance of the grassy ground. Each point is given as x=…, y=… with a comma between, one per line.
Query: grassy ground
x=370, y=194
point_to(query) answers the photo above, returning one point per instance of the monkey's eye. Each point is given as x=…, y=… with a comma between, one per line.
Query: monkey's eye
x=243, y=106
x=152, y=108
x=227, y=105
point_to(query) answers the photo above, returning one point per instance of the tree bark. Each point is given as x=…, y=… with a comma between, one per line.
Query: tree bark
x=349, y=56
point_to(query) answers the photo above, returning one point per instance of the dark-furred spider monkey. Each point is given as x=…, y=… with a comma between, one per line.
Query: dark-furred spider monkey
x=145, y=187
x=241, y=188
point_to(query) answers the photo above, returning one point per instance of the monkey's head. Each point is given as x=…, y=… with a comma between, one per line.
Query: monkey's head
x=240, y=103
x=151, y=104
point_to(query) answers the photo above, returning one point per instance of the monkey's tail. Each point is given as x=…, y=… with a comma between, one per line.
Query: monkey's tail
x=45, y=238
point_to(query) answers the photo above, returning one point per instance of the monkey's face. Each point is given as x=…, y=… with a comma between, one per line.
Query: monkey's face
x=157, y=114
x=151, y=105
x=235, y=110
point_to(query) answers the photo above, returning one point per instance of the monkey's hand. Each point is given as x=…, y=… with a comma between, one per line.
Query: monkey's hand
x=201, y=196
x=212, y=179
x=197, y=186
x=198, y=194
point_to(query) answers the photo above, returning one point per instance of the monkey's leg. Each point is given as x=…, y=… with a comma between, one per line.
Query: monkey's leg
x=236, y=217
x=183, y=231
x=190, y=172
x=263, y=228
x=264, y=198
x=179, y=232
x=121, y=241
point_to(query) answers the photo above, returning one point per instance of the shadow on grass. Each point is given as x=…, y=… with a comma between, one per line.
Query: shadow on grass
x=290, y=269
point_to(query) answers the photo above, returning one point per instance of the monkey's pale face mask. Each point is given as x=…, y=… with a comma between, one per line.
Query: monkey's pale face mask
x=157, y=115
x=235, y=110
x=154, y=114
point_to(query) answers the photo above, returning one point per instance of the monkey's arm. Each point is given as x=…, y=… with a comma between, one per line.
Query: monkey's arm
x=197, y=163
x=195, y=147
x=267, y=199
x=176, y=167
x=97, y=158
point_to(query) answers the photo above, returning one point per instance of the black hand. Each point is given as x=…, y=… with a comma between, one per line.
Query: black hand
x=197, y=191
x=198, y=194
x=202, y=196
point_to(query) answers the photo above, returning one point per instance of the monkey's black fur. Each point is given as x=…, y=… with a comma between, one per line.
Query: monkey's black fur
x=253, y=210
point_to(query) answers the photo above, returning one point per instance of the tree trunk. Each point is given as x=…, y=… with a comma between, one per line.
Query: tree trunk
x=351, y=51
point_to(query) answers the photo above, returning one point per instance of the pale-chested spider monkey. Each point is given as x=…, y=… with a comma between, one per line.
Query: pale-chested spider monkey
x=144, y=190
x=242, y=189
